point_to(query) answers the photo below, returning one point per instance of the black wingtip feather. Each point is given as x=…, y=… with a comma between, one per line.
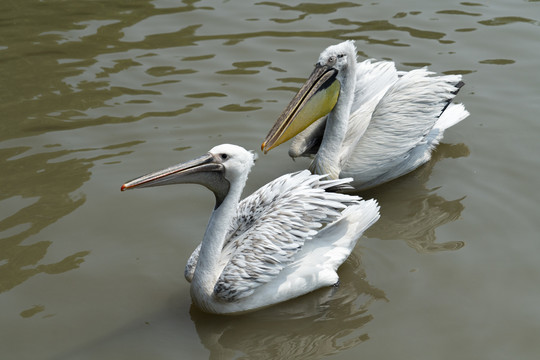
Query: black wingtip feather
x=458, y=87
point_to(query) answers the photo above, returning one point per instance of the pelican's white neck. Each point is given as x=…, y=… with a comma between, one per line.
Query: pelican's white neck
x=208, y=266
x=327, y=160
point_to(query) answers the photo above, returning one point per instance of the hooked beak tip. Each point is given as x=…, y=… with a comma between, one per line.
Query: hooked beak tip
x=263, y=148
x=123, y=188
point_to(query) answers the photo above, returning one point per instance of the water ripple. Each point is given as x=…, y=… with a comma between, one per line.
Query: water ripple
x=506, y=20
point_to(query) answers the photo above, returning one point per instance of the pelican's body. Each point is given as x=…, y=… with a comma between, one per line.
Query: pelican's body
x=288, y=238
x=380, y=123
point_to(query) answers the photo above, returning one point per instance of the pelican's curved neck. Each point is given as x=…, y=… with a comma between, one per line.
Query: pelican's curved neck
x=208, y=266
x=327, y=160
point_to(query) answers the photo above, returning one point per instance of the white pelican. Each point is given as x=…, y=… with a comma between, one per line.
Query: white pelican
x=288, y=238
x=381, y=123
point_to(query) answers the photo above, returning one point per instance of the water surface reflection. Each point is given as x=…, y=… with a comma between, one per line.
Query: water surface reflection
x=38, y=189
x=49, y=188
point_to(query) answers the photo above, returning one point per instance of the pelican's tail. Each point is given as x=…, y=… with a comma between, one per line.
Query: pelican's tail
x=333, y=245
x=362, y=216
x=348, y=229
x=453, y=114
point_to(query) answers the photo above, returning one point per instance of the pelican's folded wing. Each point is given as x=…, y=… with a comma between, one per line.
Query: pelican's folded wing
x=401, y=121
x=272, y=226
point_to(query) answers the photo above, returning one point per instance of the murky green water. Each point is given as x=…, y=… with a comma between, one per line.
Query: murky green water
x=94, y=93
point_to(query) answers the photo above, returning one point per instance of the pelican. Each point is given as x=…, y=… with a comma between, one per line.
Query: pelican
x=287, y=239
x=366, y=120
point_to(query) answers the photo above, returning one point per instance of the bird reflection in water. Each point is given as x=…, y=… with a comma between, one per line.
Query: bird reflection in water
x=411, y=212
x=321, y=323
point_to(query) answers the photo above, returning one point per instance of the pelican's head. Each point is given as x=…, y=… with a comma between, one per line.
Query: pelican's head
x=338, y=57
x=216, y=170
x=317, y=97
x=236, y=160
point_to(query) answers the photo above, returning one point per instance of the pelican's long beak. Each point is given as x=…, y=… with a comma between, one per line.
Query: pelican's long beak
x=198, y=171
x=316, y=98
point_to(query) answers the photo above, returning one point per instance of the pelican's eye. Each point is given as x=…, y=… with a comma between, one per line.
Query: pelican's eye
x=224, y=156
x=331, y=60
